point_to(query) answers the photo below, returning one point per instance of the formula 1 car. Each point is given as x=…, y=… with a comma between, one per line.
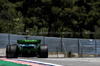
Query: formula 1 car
x=27, y=48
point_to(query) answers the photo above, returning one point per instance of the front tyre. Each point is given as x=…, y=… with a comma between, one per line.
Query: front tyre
x=43, y=51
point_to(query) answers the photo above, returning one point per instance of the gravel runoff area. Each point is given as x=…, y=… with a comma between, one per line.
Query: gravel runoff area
x=67, y=61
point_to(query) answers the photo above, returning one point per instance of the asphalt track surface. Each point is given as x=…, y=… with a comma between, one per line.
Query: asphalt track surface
x=66, y=61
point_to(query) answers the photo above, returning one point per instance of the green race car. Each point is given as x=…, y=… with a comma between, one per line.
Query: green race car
x=27, y=48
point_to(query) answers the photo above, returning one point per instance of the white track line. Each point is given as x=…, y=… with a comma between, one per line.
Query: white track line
x=39, y=62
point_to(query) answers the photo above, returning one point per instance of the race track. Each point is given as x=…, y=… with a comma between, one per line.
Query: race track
x=65, y=61
x=55, y=61
x=93, y=61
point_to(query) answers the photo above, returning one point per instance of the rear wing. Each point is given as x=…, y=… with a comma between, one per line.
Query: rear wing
x=28, y=41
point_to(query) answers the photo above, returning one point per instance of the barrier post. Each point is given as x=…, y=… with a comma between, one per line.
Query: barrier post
x=57, y=52
x=78, y=46
x=95, y=48
x=8, y=39
x=61, y=44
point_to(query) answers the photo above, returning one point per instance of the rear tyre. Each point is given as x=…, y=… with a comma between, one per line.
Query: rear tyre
x=43, y=51
x=8, y=51
x=12, y=51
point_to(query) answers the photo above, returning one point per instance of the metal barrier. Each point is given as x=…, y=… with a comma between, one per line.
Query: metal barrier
x=85, y=46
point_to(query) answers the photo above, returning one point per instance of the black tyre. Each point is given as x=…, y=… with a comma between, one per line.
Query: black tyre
x=8, y=51
x=12, y=51
x=43, y=51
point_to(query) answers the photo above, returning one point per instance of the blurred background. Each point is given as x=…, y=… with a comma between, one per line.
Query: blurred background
x=64, y=25
x=52, y=18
